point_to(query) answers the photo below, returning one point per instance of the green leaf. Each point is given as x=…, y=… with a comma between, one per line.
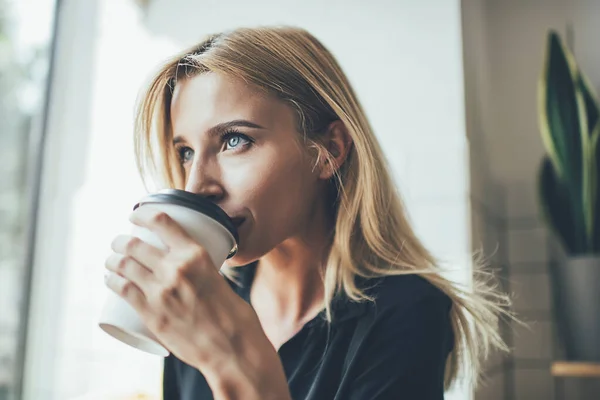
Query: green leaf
x=595, y=145
x=590, y=186
x=556, y=207
x=559, y=112
x=588, y=117
x=563, y=125
x=592, y=108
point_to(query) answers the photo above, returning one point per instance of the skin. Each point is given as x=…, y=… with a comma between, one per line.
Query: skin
x=272, y=185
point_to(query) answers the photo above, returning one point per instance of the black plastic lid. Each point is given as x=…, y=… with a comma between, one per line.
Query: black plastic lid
x=196, y=203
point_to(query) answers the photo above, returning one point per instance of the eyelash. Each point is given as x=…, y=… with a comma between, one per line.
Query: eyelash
x=225, y=136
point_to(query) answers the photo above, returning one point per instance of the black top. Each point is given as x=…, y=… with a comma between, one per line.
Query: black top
x=393, y=348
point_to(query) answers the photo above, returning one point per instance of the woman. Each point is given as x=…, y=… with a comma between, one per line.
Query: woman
x=331, y=295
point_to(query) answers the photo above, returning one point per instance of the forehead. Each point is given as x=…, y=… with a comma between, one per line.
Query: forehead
x=210, y=98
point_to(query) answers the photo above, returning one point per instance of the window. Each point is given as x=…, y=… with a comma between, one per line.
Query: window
x=25, y=49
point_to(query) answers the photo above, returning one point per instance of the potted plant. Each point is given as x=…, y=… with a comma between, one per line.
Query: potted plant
x=569, y=193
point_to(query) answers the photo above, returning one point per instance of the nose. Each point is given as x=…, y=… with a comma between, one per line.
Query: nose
x=204, y=181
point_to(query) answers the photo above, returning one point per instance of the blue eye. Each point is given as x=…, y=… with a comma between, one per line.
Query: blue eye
x=232, y=140
x=235, y=140
x=185, y=154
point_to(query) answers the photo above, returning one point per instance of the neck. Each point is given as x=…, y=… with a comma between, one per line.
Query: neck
x=288, y=284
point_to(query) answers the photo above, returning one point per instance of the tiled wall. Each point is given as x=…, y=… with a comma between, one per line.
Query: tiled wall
x=528, y=255
x=504, y=47
x=508, y=233
x=488, y=242
x=531, y=250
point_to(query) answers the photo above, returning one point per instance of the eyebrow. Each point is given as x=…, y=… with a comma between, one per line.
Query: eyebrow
x=224, y=126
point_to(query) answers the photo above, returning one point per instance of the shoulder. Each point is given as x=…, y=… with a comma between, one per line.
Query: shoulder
x=409, y=318
x=403, y=292
x=409, y=307
x=401, y=341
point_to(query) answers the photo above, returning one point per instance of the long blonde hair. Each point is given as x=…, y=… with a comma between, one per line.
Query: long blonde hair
x=372, y=234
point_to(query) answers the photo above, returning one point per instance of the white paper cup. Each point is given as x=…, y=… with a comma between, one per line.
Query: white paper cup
x=201, y=219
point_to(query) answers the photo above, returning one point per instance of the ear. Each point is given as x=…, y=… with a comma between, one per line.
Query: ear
x=337, y=142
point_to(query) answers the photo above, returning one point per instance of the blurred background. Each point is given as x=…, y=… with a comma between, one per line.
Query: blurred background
x=450, y=88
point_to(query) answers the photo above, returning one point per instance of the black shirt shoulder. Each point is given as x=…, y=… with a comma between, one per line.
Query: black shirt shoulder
x=402, y=291
x=404, y=342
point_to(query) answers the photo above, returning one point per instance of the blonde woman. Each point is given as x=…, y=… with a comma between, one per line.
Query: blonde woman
x=331, y=295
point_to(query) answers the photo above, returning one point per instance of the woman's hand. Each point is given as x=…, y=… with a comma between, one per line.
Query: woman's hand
x=192, y=310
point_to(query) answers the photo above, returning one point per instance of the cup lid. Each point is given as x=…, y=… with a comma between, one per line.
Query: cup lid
x=196, y=203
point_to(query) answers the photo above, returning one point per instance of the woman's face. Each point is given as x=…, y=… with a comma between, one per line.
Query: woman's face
x=240, y=148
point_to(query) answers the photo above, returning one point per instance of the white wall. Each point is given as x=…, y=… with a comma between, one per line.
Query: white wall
x=404, y=59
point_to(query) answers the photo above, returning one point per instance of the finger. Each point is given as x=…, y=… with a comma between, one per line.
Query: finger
x=130, y=269
x=161, y=224
x=144, y=253
x=127, y=290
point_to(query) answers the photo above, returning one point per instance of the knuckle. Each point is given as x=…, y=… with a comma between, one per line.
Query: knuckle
x=160, y=217
x=162, y=322
x=123, y=264
x=169, y=293
x=132, y=244
x=182, y=270
x=126, y=288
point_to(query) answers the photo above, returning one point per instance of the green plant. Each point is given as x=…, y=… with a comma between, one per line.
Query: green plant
x=569, y=179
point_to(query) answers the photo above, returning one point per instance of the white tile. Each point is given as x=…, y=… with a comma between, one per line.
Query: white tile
x=531, y=292
x=533, y=384
x=491, y=388
x=495, y=199
x=527, y=246
x=495, y=361
x=534, y=342
x=493, y=246
x=483, y=186
x=479, y=178
x=478, y=229
x=521, y=199
x=491, y=198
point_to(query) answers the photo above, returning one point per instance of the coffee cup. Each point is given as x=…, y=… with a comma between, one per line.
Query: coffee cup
x=204, y=221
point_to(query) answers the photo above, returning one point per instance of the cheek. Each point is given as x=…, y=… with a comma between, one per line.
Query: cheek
x=273, y=187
